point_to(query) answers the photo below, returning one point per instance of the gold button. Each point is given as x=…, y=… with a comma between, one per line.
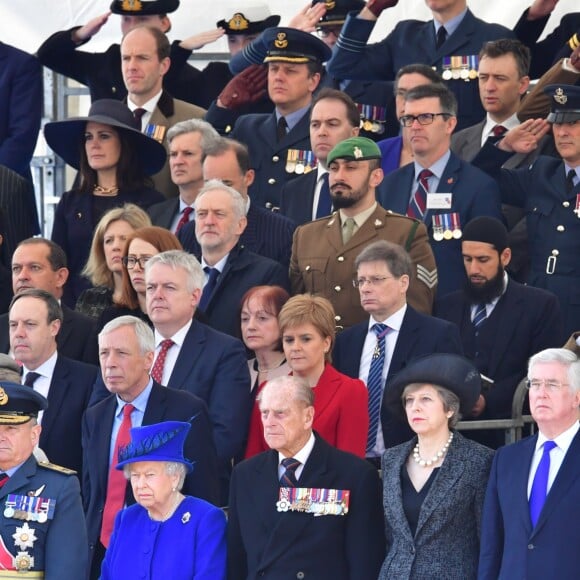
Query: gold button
x=555, y=253
x=307, y=268
x=560, y=228
x=337, y=288
x=340, y=258
x=275, y=159
x=566, y=203
x=271, y=181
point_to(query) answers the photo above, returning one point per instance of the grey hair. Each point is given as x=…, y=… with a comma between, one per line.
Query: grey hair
x=449, y=399
x=563, y=356
x=301, y=390
x=144, y=334
x=439, y=91
x=180, y=259
x=171, y=468
x=238, y=202
x=209, y=136
x=395, y=256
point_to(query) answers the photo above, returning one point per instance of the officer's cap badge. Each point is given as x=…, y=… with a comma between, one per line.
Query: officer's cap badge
x=560, y=97
x=132, y=5
x=330, y=4
x=238, y=22
x=281, y=41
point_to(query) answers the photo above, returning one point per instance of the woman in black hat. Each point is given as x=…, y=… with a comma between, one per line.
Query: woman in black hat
x=114, y=160
x=434, y=485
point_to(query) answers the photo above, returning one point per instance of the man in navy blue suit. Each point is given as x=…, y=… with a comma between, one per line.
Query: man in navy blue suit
x=519, y=320
x=231, y=269
x=267, y=233
x=193, y=357
x=532, y=505
x=126, y=348
x=438, y=188
x=450, y=42
x=383, y=270
x=35, y=319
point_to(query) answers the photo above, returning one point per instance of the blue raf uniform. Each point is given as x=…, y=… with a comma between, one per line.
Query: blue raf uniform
x=42, y=525
x=274, y=160
x=413, y=41
x=552, y=205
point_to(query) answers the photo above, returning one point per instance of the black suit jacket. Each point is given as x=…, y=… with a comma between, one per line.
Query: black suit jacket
x=243, y=270
x=265, y=543
x=530, y=322
x=75, y=339
x=162, y=214
x=297, y=198
x=68, y=397
x=268, y=234
x=419, y=336
x=164, y=404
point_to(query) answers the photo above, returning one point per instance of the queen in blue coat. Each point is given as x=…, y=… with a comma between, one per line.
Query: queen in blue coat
x=165, y=534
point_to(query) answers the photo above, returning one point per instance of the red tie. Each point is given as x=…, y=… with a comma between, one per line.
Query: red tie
x=499, y=131
x=117, y=483
x=157, y=370
x=3, y=479
x=418, y=205
x=184, y=219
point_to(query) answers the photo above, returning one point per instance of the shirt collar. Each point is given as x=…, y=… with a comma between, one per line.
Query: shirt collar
x=293, y=118
x=563, y=441
x=177, y=338
x=46, y=369
x=359, y=218
x=219, y=265
x=509, y=123
x=451, y=25
x=149, y=106
x=437, y=168
x=304, y=453
x=139, y=402
x=395, y=321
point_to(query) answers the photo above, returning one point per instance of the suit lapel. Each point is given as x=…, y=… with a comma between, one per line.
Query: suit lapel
x=155, y=410
x=568, y=474
x=250, y=237
x=267, y=132
x=188, y=355
x=459, y=38
x=59, y=385
x=101, y=442
x=66, y=328
x=447, y=184
x=406, y=340
x=20, y=478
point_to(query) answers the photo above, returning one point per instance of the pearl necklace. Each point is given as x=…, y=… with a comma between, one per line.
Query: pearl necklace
x=266, y=370
x=437, y=457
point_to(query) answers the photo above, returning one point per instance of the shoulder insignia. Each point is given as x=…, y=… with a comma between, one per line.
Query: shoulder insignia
x=428, y=277
x=55, y=467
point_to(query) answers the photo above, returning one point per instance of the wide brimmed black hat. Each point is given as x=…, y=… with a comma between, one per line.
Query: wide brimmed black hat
x=144, y=7
x=252, y=20
x=337, y=11
x=66, y=137
x=19, y=404
x=295, y=46
x=451, y=371
x=564, y=103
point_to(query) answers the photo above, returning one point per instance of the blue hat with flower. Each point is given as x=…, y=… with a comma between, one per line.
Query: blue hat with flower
x=158, y=442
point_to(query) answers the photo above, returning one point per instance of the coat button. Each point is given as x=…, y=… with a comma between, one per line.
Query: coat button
x=300, y=575
x=268, y=205
x=307, y=268
x=340, y=259
x=337, y=288
x=412, y=550
x=555, y=253
x=531, y=546
x=271, y=181
x=275, y=159
x=560, y=228
x=566, y=203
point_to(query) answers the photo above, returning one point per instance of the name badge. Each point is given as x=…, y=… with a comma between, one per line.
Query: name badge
x=439, y=200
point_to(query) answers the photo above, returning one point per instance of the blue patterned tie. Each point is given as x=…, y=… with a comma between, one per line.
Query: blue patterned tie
x=480, y=315
x=375, y=383
x=418, y=205
x=288, y=478
x=209, y=287
x=324, y=202
x=540, y=484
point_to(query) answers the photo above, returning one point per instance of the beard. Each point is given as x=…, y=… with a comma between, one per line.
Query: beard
x=347, y=197
x=487, y=291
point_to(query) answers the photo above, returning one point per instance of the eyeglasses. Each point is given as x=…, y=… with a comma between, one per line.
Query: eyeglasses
x=130, y=261
x=422, y=119
x=551, y=385
x=326, y=31
x=373, y=281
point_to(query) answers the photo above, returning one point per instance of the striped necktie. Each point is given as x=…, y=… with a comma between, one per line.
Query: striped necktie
x=288, y=478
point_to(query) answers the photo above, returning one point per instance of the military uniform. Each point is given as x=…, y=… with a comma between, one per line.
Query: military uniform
x=322, y=264
x=42, y=525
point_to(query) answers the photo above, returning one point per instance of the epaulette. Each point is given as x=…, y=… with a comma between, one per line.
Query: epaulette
x=55, y=467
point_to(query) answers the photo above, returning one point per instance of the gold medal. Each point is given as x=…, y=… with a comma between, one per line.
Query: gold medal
x=367, y=125
x=473, y=74
x=447, y=235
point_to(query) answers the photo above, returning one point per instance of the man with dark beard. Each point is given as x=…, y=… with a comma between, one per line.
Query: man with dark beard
x=324, y=251
x=502, y=323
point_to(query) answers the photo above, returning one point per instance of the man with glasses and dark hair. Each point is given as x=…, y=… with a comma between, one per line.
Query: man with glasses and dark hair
x=532, y=506
x=383, y=272
x=438, y=188
x=324, y=251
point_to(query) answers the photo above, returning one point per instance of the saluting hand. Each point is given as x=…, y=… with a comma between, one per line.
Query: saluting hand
x=524, y=138
x=541, y=8
x=307, y=19
x=375, y=7
x=198, y=41
x=90, y=28
x=245, y=88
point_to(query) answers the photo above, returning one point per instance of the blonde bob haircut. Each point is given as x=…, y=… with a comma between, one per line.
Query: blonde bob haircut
x=309, y=309
x=96, y=269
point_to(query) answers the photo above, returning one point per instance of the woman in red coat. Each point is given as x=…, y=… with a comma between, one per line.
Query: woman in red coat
x=307, y=325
